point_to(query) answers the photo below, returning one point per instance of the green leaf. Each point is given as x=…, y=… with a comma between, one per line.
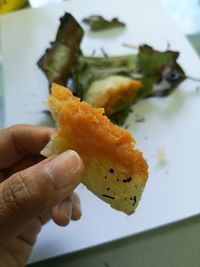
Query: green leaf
x=160, y=71
x=120, y=117
x=152, y=63
x=89, y=69
x=146, y=90
x=98, y=23
x=58, y=60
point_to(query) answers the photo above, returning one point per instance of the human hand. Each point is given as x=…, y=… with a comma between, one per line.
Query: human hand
x=33, y=190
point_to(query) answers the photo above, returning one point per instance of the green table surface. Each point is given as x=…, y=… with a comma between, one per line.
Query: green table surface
x=173, y=245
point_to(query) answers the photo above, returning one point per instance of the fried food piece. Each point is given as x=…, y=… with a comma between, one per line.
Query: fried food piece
x=112, y=93
x=114, y=170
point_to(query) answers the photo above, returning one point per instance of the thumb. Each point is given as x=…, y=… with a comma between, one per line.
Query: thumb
x=35, y=190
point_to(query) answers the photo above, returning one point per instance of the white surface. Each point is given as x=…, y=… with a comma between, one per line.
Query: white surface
x=186, y=14
x=39, y=3
x=172, y=123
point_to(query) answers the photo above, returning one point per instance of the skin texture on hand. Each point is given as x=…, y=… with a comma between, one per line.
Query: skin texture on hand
x=24, y=177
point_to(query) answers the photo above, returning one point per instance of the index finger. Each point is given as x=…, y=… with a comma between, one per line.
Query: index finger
x=20, y=140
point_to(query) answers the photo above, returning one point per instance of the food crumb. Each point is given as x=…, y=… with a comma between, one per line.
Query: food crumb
x=161, y=156
x=140, y=120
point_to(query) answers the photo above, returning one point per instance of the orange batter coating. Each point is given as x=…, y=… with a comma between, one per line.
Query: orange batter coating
x=112, y=93
x=114, y=170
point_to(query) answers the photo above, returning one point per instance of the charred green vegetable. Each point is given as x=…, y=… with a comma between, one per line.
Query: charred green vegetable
x=98, y=23
x=120, y=117
x=58, y=60
x=158, y=71
x=161, y=73
x=90, y=69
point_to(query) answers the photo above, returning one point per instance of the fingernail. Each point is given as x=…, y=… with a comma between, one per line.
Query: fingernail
x=65, y=169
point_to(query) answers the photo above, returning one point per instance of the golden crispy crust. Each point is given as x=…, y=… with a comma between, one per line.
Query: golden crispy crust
x=115, y=171
x=112, y=93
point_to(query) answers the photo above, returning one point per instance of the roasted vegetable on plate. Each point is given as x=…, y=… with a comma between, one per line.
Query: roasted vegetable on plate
x=111, y=82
